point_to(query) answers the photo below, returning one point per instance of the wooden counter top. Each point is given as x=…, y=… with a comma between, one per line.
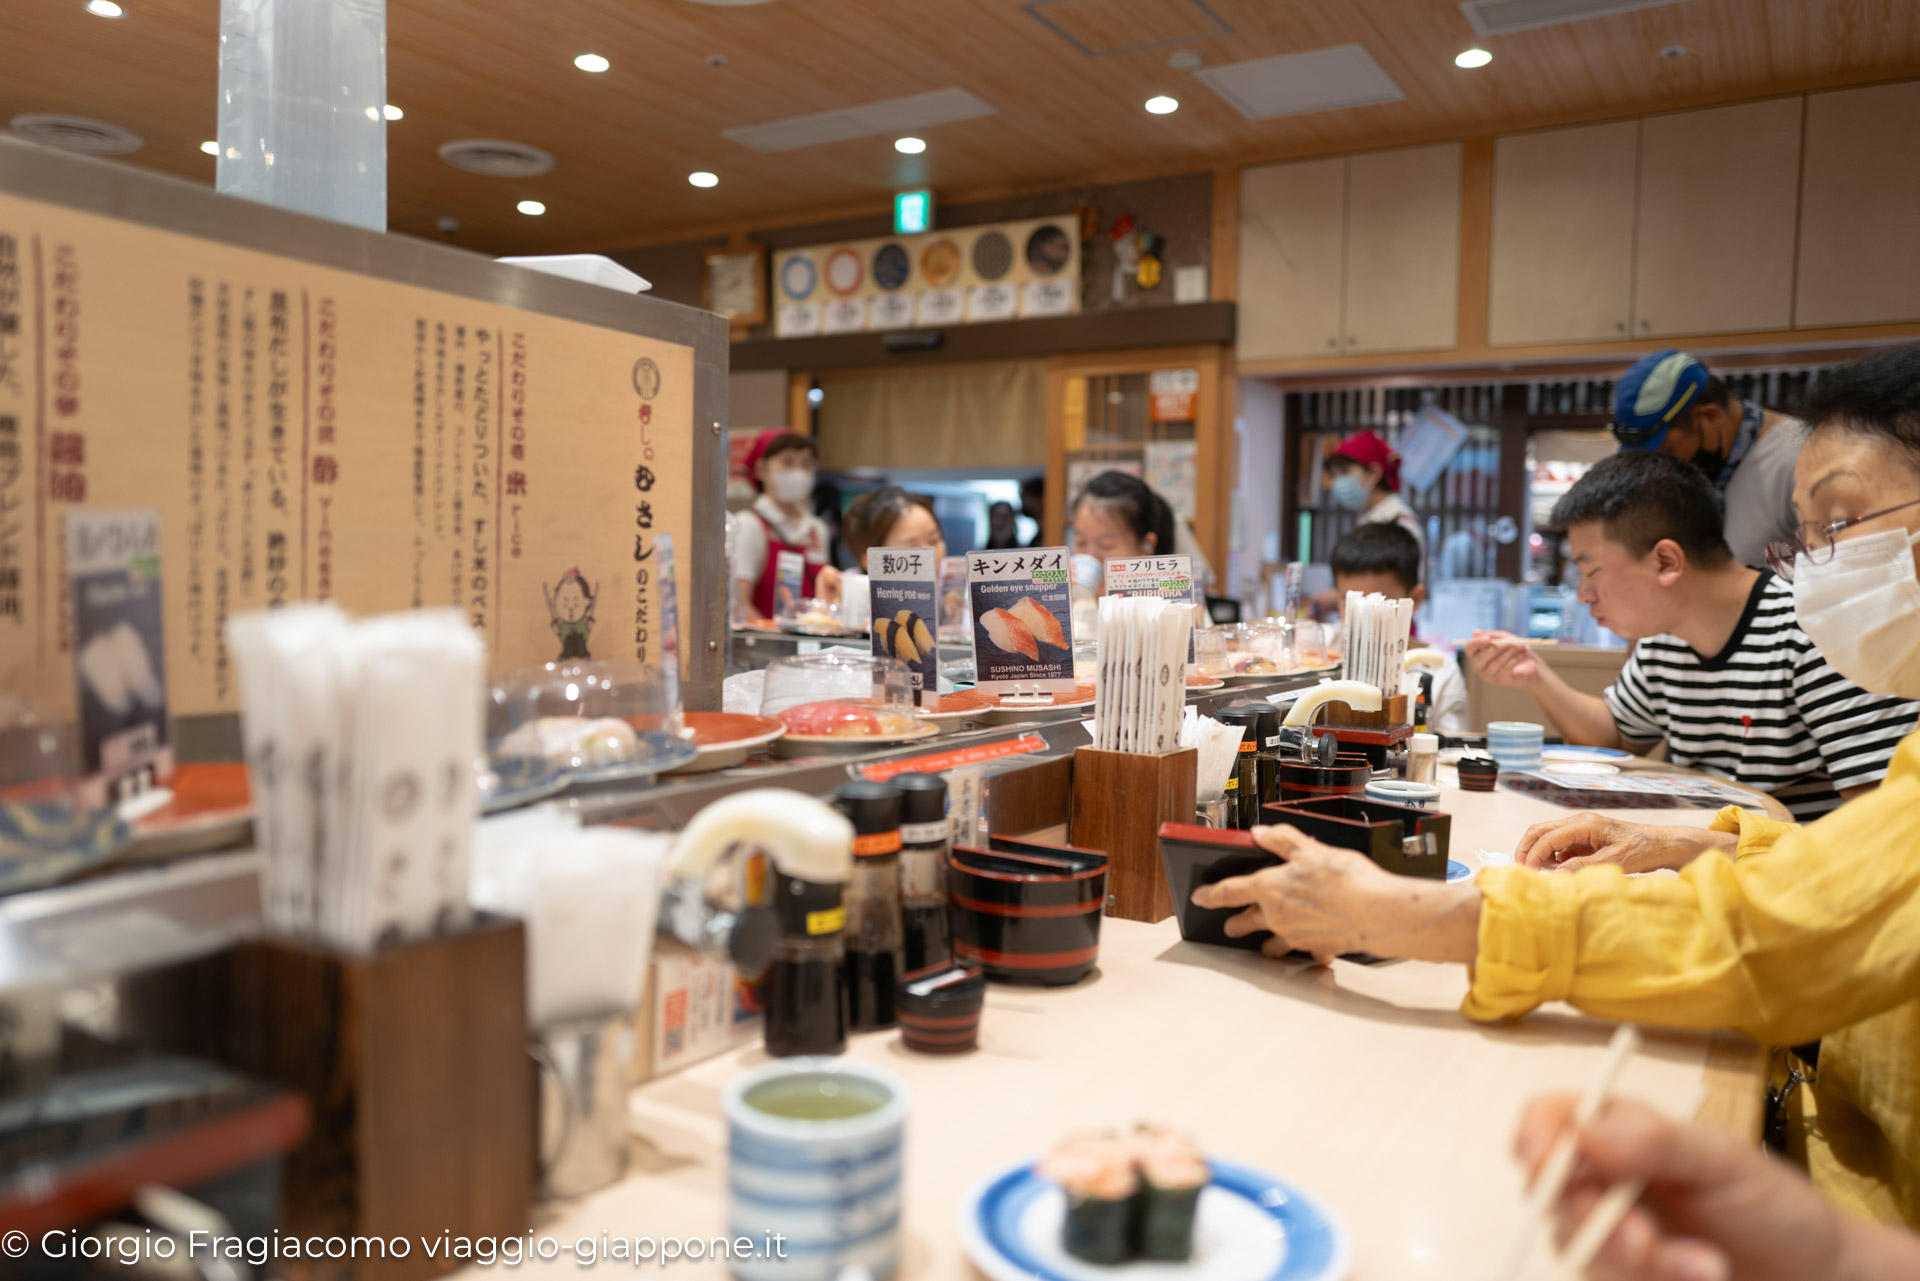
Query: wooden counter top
x=1362, y=1085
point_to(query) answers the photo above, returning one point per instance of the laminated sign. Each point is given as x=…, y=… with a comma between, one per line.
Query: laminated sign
x=1168, y=577
x=904, y=585
x=113, y=579
x=1022, y=620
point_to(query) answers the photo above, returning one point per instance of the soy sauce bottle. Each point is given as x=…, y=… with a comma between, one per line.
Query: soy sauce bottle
x=923, y=874
x=1243, y=787
x=806, y=987
x=874, y=932
x=1266, y=756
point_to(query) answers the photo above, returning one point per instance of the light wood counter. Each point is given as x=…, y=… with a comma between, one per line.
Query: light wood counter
x=1362, y=1085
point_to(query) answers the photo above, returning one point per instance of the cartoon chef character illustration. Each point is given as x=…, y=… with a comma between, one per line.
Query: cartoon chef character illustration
x=570, y=605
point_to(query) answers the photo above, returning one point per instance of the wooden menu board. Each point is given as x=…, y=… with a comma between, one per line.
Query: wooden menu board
x=308, y=432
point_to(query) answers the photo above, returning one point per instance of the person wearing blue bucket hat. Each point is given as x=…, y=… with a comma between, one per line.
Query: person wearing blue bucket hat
x=1671, y=402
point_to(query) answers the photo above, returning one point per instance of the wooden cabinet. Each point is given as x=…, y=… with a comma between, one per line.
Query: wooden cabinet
x=1350, y=254
x=1403, y=249
x=1562, y=245
x=1719, y=191
x=1860, y=208
x=1292, y=238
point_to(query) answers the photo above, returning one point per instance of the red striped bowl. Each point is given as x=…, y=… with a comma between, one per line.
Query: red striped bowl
x=1025, y=912
x=1347, y=776
x=939, y=1007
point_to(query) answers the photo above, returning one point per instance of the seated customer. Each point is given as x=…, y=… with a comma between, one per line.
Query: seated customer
x=1810, y=932
x=1721, y=670
x=1385, y=558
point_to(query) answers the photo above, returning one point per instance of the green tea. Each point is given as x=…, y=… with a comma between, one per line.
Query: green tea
x=817, y=1096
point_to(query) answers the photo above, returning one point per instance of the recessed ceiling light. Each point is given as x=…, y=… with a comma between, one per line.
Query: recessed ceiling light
x=105, y=9
x=909, y=146
x=1185, y=60
x=392, y=112
x=703, y=179
x=1163, y=105
x=1674, y=51
x=591, y=62
x=1472, y=58
x=211, y=148
x=531, y=208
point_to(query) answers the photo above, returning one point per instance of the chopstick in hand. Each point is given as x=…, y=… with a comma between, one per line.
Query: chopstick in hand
x=1558, y=1167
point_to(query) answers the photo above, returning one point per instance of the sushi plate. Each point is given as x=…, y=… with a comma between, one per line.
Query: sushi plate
x=210, y=809
x=1250, y=1227
x=1570, y=753
x=724, y=739
x=791, y=745
x=1458, y=871
x=956, y=709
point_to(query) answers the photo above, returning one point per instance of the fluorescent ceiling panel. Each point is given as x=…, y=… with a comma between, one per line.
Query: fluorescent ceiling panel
x=897, y=115
x=1294, y=84
x=1500, y=17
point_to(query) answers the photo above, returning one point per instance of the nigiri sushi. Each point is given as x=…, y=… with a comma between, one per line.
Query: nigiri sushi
x=1172, y=1176
x=1040, y=621
x=833, y=719
x=1097, y=1173
x=1009, y=634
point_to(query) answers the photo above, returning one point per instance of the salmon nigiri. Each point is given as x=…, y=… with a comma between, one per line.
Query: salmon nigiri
x=1009, y=634
x=1040, y=621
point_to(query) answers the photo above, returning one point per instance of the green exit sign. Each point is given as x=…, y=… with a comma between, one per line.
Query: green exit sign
x=912, y=212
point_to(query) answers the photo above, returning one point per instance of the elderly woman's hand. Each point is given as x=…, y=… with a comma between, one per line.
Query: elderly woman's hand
x=1318, y=900
x=1587, y=839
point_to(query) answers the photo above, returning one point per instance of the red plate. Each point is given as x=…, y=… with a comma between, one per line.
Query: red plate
x=726, y=738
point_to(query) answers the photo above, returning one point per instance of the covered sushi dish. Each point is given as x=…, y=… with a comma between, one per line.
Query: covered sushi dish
x=842, y=694
x=590, y=721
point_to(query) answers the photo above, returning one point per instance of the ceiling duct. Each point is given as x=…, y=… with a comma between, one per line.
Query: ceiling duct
x=77, y=133
x=1503, y=17
x=494, y=158
x=1295, y=84
x=896, y=115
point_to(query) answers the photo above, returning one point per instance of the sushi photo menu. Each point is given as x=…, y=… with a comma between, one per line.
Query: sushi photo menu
x=1022, y=621
x=904, y=586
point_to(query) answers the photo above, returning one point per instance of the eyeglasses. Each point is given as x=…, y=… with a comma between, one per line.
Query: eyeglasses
x=1814, y=539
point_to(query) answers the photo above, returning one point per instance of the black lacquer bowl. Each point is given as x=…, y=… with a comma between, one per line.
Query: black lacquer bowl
x=1025, y=912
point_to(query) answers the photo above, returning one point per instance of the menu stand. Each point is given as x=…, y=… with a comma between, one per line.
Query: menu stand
x=414, y=1061
x=1120, y=799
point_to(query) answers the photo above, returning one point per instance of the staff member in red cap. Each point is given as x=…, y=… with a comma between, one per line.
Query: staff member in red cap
x=780, y=520
x=1363, y=475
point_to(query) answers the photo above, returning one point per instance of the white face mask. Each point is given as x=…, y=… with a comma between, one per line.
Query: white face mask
x=790, y=486
x=1862, y=611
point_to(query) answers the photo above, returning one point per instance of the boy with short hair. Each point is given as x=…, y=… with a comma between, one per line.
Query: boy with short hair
x=1385, y=558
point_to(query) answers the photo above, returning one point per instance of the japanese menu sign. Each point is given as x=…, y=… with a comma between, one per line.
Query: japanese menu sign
x=1022, y=620
x=310, y=433
x=1168, y=577
x=113, y=580
x=903, y=583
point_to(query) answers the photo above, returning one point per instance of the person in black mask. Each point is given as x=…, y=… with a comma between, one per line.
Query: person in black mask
x=1669, y=401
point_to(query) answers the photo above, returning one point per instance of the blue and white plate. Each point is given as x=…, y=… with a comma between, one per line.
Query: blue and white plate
x=1583, y=754
x=1458, y=871
x=1250, y=1227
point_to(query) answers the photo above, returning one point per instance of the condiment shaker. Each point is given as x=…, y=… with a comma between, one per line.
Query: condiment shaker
x=874, y=930
x=923, y=875
x=1243, y=788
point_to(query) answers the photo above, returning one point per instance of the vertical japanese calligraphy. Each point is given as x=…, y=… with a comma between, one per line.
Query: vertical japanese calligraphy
x=305, y=432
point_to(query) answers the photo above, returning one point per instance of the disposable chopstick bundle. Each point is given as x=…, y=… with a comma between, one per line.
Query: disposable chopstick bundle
x=1377, y=633
x=1141, y=690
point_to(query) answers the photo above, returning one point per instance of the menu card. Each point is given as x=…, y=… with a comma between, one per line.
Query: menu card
x=113, y=577
x=788, y=574
x=1167, y=577
x=956, y=620
x=1022, y=621
x=903, y=584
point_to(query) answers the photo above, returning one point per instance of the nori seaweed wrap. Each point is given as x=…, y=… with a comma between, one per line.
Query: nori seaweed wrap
x=1172, y=1176
x=1102, y=1190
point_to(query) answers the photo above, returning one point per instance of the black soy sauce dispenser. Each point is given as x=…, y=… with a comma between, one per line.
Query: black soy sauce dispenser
x=924, y=842
x=806, y=989
x=1243, y=787
x=874, y=931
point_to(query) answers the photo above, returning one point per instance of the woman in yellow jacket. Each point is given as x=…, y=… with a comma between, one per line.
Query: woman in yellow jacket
x=1786, y=933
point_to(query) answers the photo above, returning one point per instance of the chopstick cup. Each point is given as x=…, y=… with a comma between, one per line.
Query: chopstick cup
x=1558, y=1168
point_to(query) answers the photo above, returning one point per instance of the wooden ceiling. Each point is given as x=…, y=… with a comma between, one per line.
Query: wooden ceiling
x=626, y=139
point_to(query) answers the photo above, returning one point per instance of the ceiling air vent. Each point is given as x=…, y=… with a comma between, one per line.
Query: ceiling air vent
x=1501, y=17
x=76, y=133
x=496, y=159
x=1294, y=84
x=896, y=115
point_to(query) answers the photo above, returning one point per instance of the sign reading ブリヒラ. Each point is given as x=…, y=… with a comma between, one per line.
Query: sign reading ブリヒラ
x=1168, y=577
x=306, y=432
x=113, y=579
x=1022, y=620
x=904, y=585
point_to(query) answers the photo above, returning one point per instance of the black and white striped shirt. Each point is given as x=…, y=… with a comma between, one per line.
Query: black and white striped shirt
x=1766, y=711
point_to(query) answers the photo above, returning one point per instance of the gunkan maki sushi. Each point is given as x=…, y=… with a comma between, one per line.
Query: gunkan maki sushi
x=1098, y=1176
x=1172, y=1176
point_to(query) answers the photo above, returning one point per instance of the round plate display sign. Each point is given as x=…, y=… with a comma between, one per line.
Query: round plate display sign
x=940, y=263
x=844, y=271
x=992, y=255
x=798, y=276
x=891, y=267
x=1047, y=250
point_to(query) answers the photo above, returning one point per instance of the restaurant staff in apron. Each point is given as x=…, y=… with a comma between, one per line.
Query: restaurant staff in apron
x=1669, y=402
x=781, y=520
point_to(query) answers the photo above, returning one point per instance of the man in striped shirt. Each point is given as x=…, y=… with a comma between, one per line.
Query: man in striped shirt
x=1721, y=671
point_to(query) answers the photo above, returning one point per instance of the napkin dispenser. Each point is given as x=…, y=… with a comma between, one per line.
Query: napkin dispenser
x=1403, y=839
